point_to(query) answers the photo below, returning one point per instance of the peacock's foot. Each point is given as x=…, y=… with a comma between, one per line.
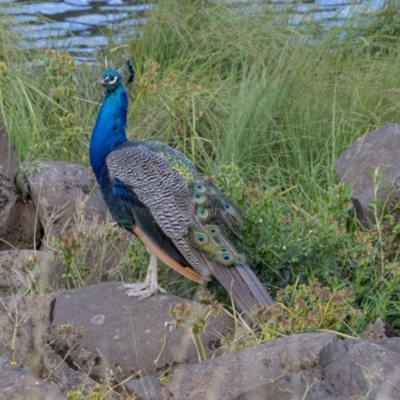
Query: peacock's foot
x=142, y=290
x=149, y=286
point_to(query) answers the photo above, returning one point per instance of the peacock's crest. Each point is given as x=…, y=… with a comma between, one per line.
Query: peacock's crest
x=112, y=79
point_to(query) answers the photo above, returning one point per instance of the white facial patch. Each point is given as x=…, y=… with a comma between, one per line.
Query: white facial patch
x=112, y=80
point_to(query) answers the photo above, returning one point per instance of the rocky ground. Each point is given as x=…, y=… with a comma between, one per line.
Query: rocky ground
x=94, y=341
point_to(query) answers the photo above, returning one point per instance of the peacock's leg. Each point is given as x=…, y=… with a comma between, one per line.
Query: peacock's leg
x=150, y=284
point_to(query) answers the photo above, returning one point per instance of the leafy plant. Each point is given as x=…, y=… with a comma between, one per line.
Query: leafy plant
x=263, y=109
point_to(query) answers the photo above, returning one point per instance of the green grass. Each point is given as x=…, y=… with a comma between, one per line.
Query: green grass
x=263, y=108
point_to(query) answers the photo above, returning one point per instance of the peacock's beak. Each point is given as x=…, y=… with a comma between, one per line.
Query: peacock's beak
x=99, y=81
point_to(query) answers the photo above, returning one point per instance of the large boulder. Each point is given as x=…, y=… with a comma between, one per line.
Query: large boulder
x=101, y=330
x=64, y=195
x=375, y=151
x=314, y=366
x=279, y=370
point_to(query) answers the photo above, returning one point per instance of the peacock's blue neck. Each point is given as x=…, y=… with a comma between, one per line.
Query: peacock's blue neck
x=110, y=128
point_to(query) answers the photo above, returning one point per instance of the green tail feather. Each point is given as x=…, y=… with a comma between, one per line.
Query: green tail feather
x=215, y=216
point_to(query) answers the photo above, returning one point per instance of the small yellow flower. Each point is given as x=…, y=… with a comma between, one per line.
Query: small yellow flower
x=65, y=57
x=152, y=89
x=54, y=65
x=198, y=114
x=3, y=68
x=50, y=54
x=151, y=65
x=194, y=87
x=171, y=77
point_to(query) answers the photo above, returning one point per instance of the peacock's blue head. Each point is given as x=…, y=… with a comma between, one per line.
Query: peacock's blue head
x=110, y=79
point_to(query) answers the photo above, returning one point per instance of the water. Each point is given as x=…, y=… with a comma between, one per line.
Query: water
x=79, y=25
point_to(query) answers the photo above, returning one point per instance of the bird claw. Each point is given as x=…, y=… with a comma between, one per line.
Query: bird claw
x=142, y=290
x=150, y=284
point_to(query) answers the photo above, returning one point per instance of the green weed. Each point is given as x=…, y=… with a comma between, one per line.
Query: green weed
x=263, y=109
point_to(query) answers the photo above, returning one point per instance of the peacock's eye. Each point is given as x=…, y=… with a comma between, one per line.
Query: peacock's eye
x=111, y=79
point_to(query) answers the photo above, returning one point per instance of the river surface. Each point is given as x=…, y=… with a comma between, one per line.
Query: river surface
x=80, y=25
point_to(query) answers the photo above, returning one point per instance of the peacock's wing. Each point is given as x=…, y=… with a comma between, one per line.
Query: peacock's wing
x=221, y=208
x=156, y=185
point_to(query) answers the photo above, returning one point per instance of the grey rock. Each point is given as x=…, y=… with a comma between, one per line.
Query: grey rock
x=8, y=157
x=314, y=366
x=341, y=375
x=18, y=383
x=111, y=334
x=282, y=369
x=58, y=189
x=24, y=326
x=392, y=344
x=146, y=388
x=35, y=270
x=379, y=366
x=66, y=378
x=18, y=224
x=377, y=149
x=379, y=329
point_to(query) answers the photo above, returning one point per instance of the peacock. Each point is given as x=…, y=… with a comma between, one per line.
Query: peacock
x=155, y=192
